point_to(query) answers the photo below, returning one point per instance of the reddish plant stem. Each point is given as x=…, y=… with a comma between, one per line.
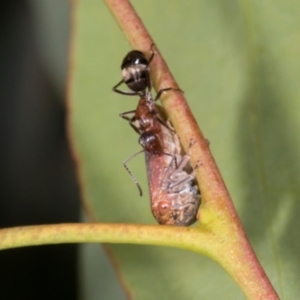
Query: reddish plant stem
x=217, y=208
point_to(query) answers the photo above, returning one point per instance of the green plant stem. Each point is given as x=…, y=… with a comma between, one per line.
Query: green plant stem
x=193, y=239
x=102, y=233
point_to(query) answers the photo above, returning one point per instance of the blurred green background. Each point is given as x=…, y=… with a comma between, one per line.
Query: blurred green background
x=238, y=64
x=38, y=183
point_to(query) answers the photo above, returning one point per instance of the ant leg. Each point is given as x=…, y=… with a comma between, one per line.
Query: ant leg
x=130, y=120
x=148, y=79
x=124, y=115
x=162, y=122
x=152, y=54
x=127, y=93
x=130, y=173
x=166, y=90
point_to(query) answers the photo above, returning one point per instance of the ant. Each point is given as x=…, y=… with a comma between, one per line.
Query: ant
x=136, y=75
x=175, y=197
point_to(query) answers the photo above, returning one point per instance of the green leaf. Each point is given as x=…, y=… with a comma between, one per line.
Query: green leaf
x=238, y=65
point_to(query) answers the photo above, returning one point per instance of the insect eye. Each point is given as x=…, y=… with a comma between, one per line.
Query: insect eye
x=163, y=207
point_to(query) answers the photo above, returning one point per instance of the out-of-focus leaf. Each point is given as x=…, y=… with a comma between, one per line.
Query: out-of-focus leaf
x=238, y=64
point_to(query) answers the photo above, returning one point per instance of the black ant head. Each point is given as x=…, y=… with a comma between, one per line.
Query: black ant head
x=135, y=71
